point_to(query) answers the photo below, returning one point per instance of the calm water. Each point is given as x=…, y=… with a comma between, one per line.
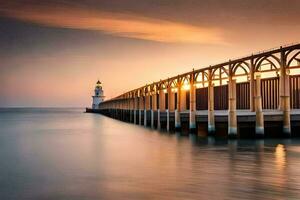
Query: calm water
x=67, y=154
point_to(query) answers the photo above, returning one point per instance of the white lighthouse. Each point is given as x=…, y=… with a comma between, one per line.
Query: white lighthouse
x=98, y=97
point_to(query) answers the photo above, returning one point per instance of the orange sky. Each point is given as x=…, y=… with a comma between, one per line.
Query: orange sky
x=54, y=51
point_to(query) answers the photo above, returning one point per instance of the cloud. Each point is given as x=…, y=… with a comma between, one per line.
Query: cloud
x=118, y=24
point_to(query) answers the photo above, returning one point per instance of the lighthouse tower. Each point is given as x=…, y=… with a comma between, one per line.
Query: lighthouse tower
x=98, y=97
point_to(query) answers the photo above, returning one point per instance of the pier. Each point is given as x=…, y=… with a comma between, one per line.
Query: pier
x=256, y=96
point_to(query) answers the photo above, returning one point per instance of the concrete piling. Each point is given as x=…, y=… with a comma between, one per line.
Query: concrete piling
x=211, y=113
x=232, y=118
x=192, y=118
x=178, y=108
x=259, y=122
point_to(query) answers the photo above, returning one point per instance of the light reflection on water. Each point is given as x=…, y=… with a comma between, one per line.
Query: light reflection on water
x=67, y=154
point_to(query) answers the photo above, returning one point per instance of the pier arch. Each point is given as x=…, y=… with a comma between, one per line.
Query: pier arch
x=220, y=78
x=268, y=67
x=241, y=73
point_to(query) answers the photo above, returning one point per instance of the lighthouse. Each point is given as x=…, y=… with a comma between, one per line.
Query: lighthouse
x=98, y=97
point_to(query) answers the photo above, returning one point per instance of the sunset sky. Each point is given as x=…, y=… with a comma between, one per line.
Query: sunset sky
x=53, y=51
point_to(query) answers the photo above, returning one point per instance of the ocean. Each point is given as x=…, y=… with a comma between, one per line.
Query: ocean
x=64, y=153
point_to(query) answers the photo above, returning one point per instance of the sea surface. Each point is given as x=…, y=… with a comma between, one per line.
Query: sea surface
x=55, y=153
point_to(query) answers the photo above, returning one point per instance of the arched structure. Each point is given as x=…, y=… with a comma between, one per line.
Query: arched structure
x=232, y=85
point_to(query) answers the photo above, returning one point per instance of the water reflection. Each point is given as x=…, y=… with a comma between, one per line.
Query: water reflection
x=280, y=156
x=72, y=155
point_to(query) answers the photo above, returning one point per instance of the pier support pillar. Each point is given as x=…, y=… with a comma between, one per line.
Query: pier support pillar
x=211, y=111
x=252, y=87
x=168, y=119
x=132, y=116
x=286, y=109
x=135, y=110
x=259, y=126
x=145, y=110
x=232, y=118
x=131, y=110
x=286, y=117
x=145, y=117
x=282, y=83
x=284, y=103
x=147, y=107
x=177, y=120
x=177, y=110
x=192, y=105
x=154, y=108
x=140, y=117
x=140, y=110
x=170, y=106
x=152, y=118
x=161, y=107
x=158, y=120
